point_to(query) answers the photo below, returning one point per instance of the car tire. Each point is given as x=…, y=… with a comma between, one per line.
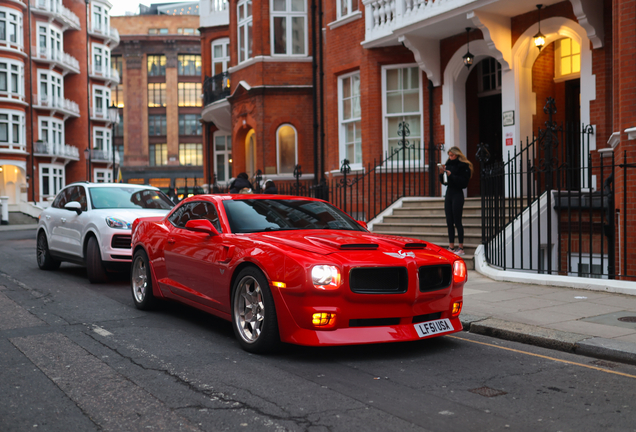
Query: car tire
x=141, y=282
x=253, y=312
x=94, y=265
x=43, y=254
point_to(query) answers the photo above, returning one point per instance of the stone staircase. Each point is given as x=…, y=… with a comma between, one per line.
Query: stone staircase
x=425, y=219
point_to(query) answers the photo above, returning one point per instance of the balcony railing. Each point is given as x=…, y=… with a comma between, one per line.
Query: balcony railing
x=98, y=155
x=65, y=61
x=12, y=147
x=56, y=10
x=54, y=103
x=101, y=72
x=216, y=88
x=55, y=149
x=106, y=31
x=12, y=97
x=99, y=113
x=384, y=16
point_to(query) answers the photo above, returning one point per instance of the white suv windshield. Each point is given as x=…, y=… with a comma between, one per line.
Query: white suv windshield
x=128, y=197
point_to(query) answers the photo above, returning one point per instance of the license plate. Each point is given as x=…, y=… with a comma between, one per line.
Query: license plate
x=433, y=327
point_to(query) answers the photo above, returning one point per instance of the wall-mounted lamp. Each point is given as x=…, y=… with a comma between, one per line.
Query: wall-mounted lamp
x=468, y=58
x=539, y=38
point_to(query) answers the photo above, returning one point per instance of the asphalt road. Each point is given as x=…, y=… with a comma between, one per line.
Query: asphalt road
x=80, y=357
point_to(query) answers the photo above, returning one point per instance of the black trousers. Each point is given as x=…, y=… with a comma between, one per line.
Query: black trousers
x=454, y=207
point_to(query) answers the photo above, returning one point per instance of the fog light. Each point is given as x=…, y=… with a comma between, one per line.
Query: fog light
x=459, y=271
x=457, y=308
x=323, y=319
x=279, y=284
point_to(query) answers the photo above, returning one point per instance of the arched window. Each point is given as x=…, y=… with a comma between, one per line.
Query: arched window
x=286, y=149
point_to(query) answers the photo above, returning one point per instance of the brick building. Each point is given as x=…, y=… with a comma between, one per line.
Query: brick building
x=388, y=62
x=159, y=97
x=55, y=79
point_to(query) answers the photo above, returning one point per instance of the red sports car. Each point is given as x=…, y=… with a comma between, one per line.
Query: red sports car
x=295, y=270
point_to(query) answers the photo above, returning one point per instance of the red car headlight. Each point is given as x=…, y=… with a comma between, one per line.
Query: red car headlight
x=325, y=277
x=459, y=271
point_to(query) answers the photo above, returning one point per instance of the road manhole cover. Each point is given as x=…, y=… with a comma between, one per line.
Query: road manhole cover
x=488, y=392
x=629, y=319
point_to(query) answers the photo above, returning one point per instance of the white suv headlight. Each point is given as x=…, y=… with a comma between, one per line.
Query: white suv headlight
x=117, y=223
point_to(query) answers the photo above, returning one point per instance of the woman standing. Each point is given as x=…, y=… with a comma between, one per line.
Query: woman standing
x=455, y=174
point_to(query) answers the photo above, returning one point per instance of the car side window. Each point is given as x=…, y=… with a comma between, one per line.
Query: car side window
x=78, y=193
x=195, y=210
x=61, y=199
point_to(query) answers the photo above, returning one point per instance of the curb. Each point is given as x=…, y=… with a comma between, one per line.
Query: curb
x=19, y=227
x=602, y=348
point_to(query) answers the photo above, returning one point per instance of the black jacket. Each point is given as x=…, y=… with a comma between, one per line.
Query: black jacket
x=459, y=175
x=240, y=183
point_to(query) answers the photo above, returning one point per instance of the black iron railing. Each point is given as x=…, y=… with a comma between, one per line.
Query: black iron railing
x=216, y=88
x=550, y=208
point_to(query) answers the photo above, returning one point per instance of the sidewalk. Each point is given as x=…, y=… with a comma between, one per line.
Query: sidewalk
x=591, y=323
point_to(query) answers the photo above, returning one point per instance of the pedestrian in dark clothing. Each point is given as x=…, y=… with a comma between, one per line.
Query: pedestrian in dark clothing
x=270, y=187
x=455, y=175
x=240, y=182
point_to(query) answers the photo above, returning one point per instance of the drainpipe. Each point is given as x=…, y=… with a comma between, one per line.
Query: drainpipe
x=88, y=93
x=431, y=143
x=314, y=76
x=32, y=185
x=321, y=165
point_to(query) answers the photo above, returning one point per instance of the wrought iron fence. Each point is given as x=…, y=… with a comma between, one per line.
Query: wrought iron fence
x=367, y=191
x=548, y=209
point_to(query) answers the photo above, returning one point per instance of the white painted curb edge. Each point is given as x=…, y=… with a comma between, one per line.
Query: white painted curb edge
x=606, y=285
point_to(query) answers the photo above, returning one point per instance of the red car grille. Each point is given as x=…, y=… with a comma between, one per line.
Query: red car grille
x=121, y=241
x=379, y=280
x=433, y=278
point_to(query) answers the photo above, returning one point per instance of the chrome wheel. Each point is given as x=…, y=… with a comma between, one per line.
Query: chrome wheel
x=249, y=309
x=139, y=279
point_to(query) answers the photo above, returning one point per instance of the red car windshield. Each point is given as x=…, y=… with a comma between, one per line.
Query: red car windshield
x=257, y=215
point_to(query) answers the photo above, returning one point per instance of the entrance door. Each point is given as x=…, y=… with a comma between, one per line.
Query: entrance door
x=250, y=153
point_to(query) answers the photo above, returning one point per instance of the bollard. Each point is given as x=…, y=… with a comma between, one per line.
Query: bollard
x=4, y=210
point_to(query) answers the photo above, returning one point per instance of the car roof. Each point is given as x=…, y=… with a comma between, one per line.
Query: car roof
x=239, y=197
x=122, y=185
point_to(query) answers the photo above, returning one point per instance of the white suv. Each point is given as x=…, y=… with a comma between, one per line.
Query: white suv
x=89, y=224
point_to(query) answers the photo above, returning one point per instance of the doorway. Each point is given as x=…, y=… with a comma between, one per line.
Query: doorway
x=250, y=153
x=574, y=154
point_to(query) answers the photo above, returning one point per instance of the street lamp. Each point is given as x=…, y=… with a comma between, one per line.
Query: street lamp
x=87, y=157
x=468, y=58
x=539, y=38
x=113, y=116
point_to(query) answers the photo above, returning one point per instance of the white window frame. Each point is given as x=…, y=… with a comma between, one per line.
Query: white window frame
x=480, y=78
x=105, y=58
x=342, y=136
x=227, y=156
x=53, y=41
x=102, y=175
x=224, y=60
x=288, y=15
x=11, y=63
x=56, y=179
x=103, y=11
x=105, y=102
x=11, y=121
x=349, y=4
x=278, y=169
x=8, y=14
x=243, y=26
x=105, y=134
x=54, y=81
x=386, y=117
x=558, y=56
x=54, y=129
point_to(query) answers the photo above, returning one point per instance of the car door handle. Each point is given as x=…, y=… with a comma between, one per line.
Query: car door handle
x=170, y=241
x=63, y=219
x=48, y=217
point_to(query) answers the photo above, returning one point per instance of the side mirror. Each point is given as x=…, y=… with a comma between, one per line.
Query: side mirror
x=202, y=226
x=74, y=206
x=363, y=224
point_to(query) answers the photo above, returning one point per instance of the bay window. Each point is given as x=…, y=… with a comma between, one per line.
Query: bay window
x=50, y=88
x=101, y=101
x=51, y=131
x=289, y=27
x=220, y=55
x=11, y=27
x=101, y=59
x=11, y=79
x=244, y=30
x=12, y=129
